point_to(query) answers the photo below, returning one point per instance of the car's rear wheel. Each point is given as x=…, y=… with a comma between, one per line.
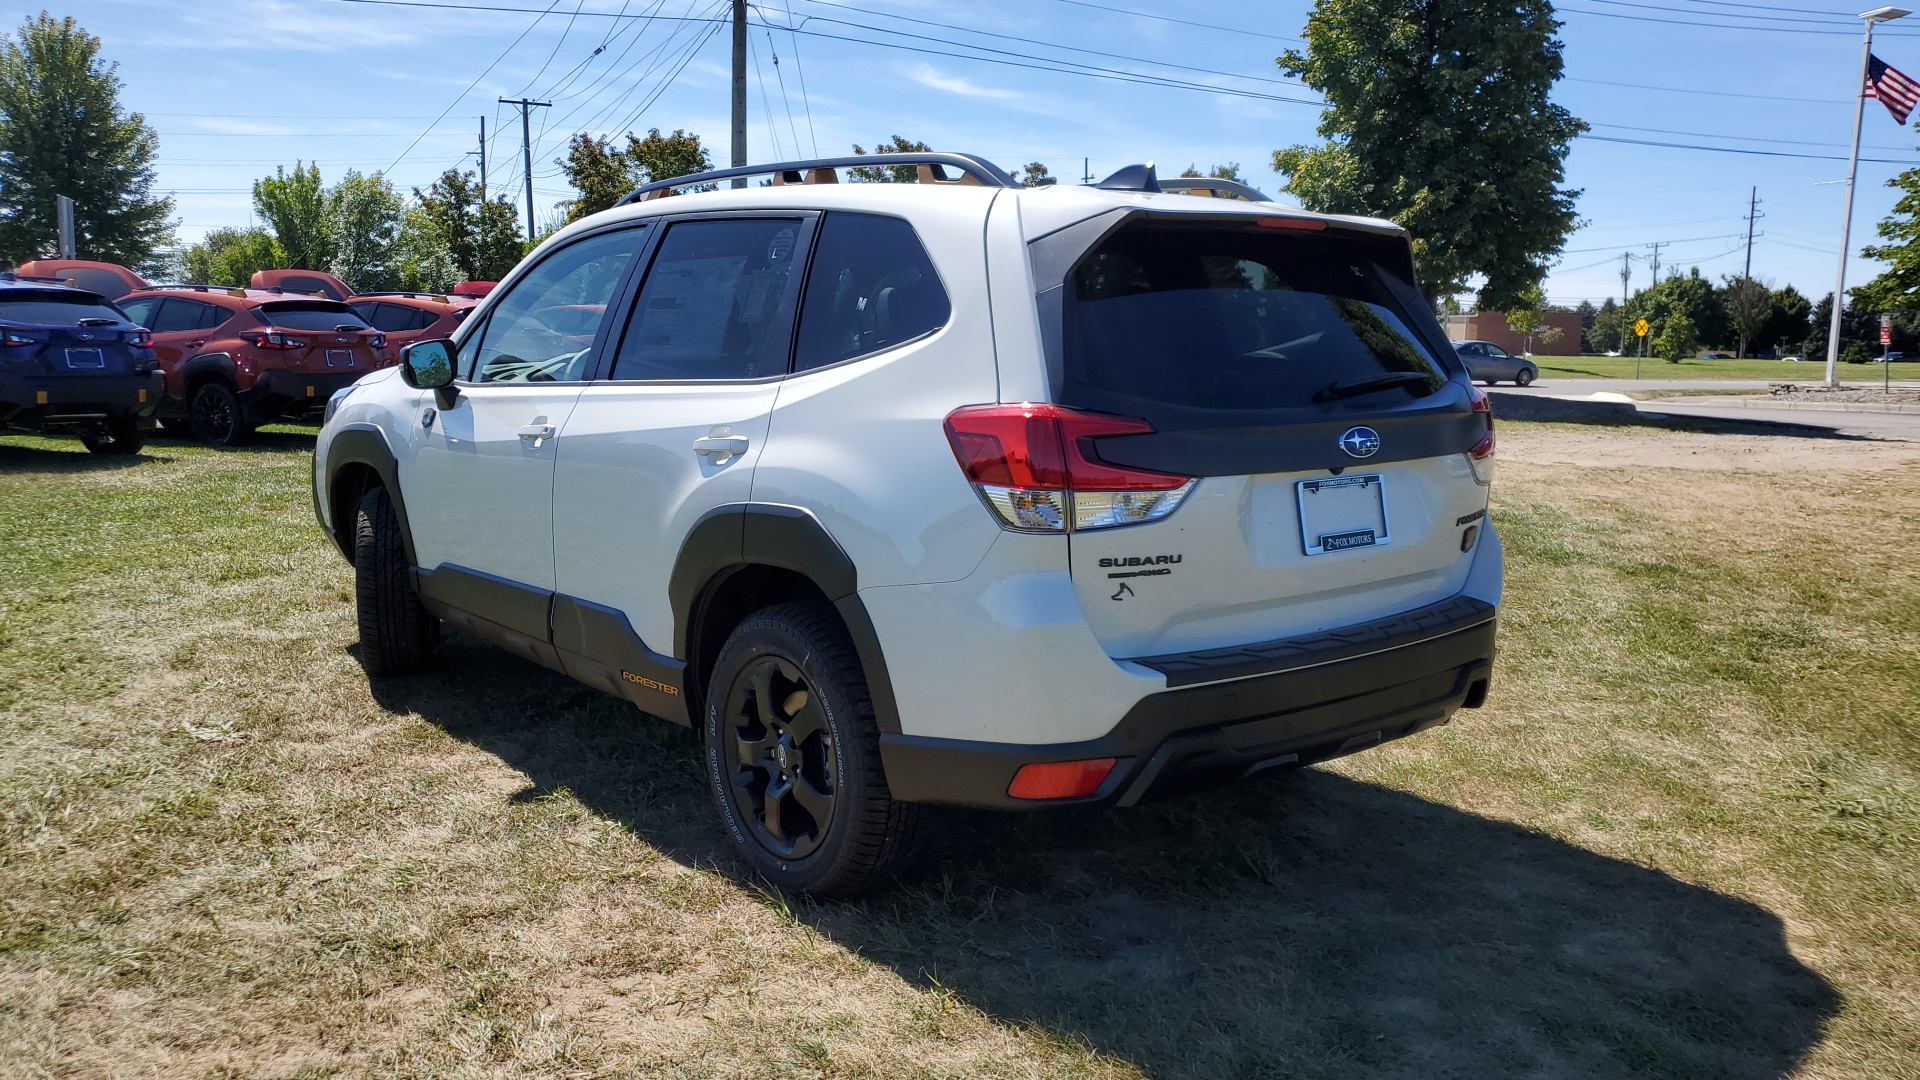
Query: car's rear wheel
x=397, y=634
x=793, y=756
x=1524, y=378
x=215, y=415
x=177, y=428
x=121, y=436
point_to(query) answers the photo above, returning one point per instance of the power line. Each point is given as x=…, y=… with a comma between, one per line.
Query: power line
x=1712, y=25
x=471, y=85
x=1739, y=138
x=801, y=70
x=1740, y=150
x=1238, y=31
x=1709, y=93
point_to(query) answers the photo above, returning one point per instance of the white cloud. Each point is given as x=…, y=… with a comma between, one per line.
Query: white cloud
x=926, y=75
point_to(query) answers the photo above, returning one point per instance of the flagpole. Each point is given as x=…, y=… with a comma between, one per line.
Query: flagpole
x=1846, y=216
x=1877, y=15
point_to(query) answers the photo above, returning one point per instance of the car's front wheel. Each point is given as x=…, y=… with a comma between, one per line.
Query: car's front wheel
x=397, y=634
x=216, y=416
x=121, y=436
x=1524, y=378
x=793, y=756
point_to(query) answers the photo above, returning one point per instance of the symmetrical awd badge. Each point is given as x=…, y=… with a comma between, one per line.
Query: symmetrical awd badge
x=1360, y=442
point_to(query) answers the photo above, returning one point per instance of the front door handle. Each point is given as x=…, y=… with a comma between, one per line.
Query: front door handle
x=539, y=433
x=720, y=448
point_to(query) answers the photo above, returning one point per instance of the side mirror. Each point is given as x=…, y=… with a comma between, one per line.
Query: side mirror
x=428, y=365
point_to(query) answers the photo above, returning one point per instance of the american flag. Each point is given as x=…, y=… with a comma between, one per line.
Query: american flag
x=1894, y=90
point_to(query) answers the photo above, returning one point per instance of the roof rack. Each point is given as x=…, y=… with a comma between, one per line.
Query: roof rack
x=224, y=290
x=931, y=167
x=413, y=295
x=1218, y=189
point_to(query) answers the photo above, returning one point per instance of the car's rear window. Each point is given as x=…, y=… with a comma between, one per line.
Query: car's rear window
x=93, y=279
x=54, y=308
x=1171, y=322
x=310, y=315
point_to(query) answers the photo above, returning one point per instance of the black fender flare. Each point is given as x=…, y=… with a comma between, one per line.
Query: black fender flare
x=217, y=363
x=728, y=538
x=361, y=444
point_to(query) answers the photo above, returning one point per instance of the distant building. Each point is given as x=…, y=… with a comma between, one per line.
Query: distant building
x=1492, y=326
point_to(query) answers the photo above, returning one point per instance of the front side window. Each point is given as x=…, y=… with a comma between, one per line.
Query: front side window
x=543, y=328
x=717, y=303
x=1173, y=322
x=872, y=287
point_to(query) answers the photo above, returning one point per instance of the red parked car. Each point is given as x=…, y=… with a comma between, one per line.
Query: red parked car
x=313, y=282
x=475, y=289
x=110, y=280
x=407, y=317
x=238, y=358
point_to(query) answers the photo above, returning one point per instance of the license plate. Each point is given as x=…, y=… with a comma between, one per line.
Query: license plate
x=1342, y=512
x=339, y=357
x=86, y=358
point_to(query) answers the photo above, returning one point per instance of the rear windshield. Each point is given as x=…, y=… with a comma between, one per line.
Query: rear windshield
x=53, y=308
x=310, y=315
x=92, y=278
x=1172, y=322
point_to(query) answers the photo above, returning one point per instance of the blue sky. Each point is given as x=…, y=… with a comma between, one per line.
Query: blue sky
x=235, y=88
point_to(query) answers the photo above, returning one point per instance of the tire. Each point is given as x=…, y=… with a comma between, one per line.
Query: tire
x=118, y=437
x=215, y=416
x=397, y=635
x=787, y=693
x=1524, y=378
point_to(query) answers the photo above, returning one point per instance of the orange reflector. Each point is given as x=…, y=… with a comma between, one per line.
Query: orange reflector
x=143, y=395
x=1311, y=224
x=1060, y=779
x=40, y=397
x=309, y=391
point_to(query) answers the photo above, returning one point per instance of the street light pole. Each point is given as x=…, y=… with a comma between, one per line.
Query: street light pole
x=1877, y=15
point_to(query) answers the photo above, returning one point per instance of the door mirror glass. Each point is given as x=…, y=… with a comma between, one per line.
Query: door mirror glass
x=428, y=365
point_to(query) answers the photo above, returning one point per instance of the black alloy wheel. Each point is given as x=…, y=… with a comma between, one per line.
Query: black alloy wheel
x=793, y=756
x=215, y=415
x=783, y=775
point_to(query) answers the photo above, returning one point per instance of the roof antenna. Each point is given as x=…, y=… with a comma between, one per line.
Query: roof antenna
x=1132, y=178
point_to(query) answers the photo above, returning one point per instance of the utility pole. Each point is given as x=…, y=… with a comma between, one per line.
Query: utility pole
x=526, y=149
x=1753, y=207
x=63, y=210
x=739, y=89
x=1086, y=170
x=483, y=159
x=1656, y=246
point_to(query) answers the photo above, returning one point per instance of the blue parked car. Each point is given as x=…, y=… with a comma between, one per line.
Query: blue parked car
x=72, y=363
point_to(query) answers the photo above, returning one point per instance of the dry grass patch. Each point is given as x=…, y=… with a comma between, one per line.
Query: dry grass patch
x=1682, y=842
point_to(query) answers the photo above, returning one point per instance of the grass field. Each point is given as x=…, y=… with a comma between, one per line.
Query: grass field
x=1622, y=367
x=1682, y=841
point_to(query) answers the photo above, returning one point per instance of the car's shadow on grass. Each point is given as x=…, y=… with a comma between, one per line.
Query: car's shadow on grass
x=1304, y=925
x=15, y=458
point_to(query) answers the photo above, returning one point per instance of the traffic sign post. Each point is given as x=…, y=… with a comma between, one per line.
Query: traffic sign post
x=1640, y=329
x=1886, y=339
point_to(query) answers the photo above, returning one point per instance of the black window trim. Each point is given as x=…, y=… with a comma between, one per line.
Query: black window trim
x=477, y=327
x=629, y=294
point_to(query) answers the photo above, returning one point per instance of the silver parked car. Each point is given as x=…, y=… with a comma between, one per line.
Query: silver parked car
x=1489, y=363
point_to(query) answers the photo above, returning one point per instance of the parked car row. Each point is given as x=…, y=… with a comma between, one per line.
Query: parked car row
x=211, y=363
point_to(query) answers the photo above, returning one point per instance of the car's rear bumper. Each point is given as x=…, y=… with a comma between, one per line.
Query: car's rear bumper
x=1316, y=698
x=31, y=400
x=293, y=393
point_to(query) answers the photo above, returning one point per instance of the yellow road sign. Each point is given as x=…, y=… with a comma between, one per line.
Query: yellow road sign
x=1640, y=328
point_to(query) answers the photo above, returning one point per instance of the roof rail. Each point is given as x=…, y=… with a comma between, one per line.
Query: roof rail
x=1219, y=189
x=932, y=166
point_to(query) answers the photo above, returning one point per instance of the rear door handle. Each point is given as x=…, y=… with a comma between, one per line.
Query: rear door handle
x=720, y=448
x=539, y=433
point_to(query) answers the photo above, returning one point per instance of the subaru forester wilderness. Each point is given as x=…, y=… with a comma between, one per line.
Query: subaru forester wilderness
x=949, y=492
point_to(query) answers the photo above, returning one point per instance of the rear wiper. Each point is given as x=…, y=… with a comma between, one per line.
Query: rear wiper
x=1356, y=387
x=98, y=322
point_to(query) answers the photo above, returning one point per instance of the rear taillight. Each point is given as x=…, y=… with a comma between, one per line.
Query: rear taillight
x=1034, y=466
x=274, y=340
x=140, y=338
x=378, y=340
x=13, y=339
x=1481, y=456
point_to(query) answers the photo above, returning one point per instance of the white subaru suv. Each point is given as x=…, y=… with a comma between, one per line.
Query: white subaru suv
x=941, y=492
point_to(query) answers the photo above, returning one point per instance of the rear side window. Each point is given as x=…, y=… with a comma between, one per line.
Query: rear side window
x=1169, y=322
x=54, y=308
x=717, y=303
x=140, y=312
x=392, y=318
x=871, y=288
x=177, y=314
x=310, y=315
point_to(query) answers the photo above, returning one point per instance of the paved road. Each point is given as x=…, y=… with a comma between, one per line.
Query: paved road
x=1562, y=387
x=1902, y=426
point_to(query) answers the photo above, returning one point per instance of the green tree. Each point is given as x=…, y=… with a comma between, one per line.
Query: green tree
x=1676, y=340
x=294, y=206
x=1525, y=311
x=421, y=259
x=230, y=256
x=663, y=157
x=1036, y=175
x=484, y=239
x=1438, y=117
x=1690, y=294
x=63, y=132
x=1609, y=332
x=498, y=244
x=598, y=171
x=1787, y=316
x=1748, y=302
x=363, y=222
x=889, y=174
x=1229, y=171
x=1899, y=285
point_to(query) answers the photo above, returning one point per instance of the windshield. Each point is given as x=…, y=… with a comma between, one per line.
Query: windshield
x=311, y=315
x=1171, y=322
x=55, y=308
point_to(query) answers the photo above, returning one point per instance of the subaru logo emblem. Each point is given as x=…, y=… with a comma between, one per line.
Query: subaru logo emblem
x=84, y=336
x=1360, y=441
